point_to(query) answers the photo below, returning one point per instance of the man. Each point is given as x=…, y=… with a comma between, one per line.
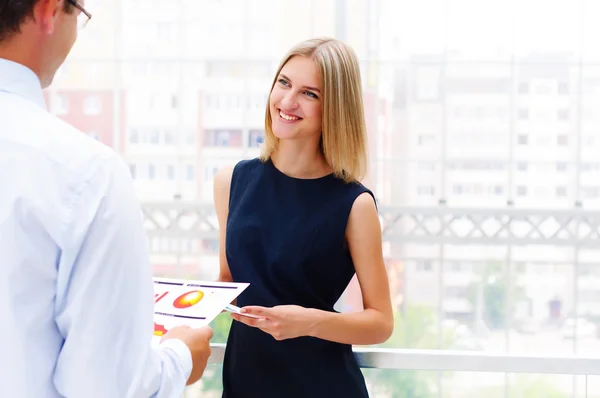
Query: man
x=76, y=294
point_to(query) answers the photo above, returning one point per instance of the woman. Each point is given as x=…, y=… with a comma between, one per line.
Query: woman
x=297, y=225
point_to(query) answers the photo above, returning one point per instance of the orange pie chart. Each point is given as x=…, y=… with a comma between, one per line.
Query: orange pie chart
x=188, y=299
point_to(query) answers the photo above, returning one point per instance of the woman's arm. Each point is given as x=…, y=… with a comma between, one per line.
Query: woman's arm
x=375, y=323
x=222, y=185
x=372, y=325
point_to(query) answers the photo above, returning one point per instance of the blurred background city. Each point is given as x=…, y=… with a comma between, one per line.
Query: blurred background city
x=484, y=133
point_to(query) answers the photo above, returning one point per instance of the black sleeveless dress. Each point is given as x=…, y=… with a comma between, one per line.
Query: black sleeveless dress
x=286, y=237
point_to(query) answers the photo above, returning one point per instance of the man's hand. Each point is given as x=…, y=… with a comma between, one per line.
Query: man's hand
x=198, y=341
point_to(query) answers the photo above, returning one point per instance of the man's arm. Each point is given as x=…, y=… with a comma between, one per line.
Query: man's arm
x=104, y=302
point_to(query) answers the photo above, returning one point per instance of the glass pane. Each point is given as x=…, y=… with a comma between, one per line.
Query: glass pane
x=466, y=125
x=391, y=383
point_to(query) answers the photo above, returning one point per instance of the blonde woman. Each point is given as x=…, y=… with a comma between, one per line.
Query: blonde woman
x=298, y=225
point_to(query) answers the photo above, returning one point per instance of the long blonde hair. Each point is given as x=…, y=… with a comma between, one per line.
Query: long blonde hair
x=344, y=137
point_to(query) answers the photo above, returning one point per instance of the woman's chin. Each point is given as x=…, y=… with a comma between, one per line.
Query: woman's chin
x=284, y=135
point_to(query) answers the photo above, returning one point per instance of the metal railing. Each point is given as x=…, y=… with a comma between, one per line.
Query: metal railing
x=462, y=373
x=413, y=224
x=460, y=361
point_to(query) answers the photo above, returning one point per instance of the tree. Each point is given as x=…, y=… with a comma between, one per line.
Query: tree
x=488, y=294
x=416, y=328
x=525, y=386
x=212, y=381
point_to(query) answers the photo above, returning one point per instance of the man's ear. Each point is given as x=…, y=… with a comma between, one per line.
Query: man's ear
x=45, y=13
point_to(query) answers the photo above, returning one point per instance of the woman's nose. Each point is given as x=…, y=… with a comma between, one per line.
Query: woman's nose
x=289, y=101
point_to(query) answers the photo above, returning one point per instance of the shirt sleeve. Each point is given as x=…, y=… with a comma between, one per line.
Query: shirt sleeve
x=104, y=301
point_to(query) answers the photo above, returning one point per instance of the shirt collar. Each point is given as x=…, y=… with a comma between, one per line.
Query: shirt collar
x=22, y=81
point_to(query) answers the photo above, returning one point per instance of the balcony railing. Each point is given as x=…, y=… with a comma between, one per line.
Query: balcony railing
x=427, y=225
x=572, y=229
x=446, y=361
x=460, y=361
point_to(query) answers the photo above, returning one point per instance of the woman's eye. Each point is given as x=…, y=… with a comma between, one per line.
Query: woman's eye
x=311, y=94
x=283, y=81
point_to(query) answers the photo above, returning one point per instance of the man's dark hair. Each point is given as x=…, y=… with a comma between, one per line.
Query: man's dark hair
x=14, y=12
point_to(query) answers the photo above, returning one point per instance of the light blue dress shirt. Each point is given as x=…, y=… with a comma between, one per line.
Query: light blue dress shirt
x=76, y=294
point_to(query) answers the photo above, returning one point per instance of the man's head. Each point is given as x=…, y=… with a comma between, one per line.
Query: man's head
x=39, y=33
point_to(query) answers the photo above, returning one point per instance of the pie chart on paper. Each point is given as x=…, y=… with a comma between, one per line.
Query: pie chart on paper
x=159, y=330
x=188, y=299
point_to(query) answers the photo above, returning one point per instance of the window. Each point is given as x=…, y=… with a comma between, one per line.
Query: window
x=543, y=88
x=522, y=166
x=256, y=101
x=453, y=121
x=522, y=139
x=595, y=167
x=541, y=192
x=133, y=136
x=426, y=166
x=426, y=139
x=544, y=141
x=223, y=138
x=562, y=140
x=523, y=114
x=590, y=192
x=425, y=190
x=589, y=140
x=459, y=111
x=190, y=172
x=456, y=266
x=153, y=136
x=457, y=292
x=424, y=266
x=190, y=138
x=165, y=31
x=523, y=88
x=211, y=101
x=586, y=166
x=151, y=172
x=563, y=114
x=458, y=189
x=501, y=112
x=60, y=104
x=563, y=88
x=561, y=167
x=210, y=172
x=255, y=138
x=427, y=81
x=92, y=105
x=169, y=137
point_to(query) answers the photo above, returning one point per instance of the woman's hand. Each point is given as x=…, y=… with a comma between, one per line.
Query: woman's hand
x=282, y=322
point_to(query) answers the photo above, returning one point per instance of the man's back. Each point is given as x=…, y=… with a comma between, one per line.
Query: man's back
x=75, y=279
x=44, y=165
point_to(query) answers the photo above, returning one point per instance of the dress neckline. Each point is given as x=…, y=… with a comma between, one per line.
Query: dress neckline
x=278, y=172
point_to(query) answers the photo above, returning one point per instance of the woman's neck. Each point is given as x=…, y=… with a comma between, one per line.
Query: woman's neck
x=300, y=162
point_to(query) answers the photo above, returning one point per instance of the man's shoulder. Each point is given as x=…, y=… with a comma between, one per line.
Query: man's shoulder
x=58, y=142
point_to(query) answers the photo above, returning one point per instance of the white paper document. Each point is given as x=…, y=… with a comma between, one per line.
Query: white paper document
x=189, y=302
x=237, y=310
